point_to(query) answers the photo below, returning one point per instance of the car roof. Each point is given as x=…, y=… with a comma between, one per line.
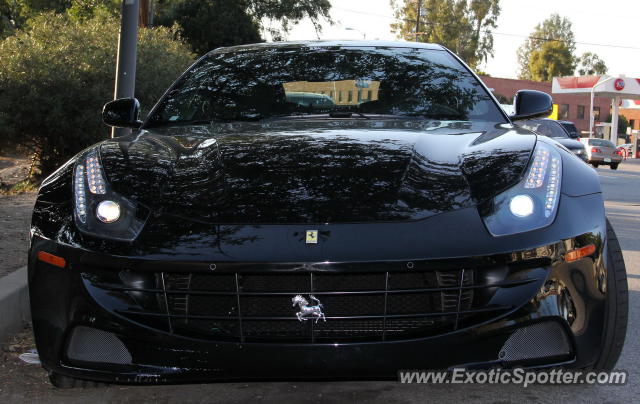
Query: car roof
x=332, y=44
x=543, y=120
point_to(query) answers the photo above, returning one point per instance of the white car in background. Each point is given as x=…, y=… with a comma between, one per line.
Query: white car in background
x=601, y=152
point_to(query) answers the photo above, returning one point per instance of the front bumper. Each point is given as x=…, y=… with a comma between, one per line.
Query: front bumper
x=548, y=290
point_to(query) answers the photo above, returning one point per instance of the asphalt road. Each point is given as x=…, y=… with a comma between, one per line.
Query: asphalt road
x=622, y=192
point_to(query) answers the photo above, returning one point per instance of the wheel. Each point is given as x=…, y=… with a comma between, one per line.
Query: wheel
x=614, y=166
x=617, y=305
x=595, y=165
x=66, y=382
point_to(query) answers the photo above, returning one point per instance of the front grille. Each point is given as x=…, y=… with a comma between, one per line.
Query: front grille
x=360, y=303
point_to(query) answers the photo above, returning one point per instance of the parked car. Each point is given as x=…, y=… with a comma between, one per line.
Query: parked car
x=235, y=235
x=601, y=152
x=571, y=129
x=556, y=131
x=305, y=99
x=626, y=150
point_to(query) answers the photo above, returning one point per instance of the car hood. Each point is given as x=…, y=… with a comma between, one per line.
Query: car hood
x=569, y=143
x=307, y=171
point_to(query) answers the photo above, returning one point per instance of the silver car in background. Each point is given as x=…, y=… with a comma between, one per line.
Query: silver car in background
x=601, y=152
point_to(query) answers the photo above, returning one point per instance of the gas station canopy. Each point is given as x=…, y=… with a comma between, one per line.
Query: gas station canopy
x=618, y=88
x=603, y=86
x=630, y=104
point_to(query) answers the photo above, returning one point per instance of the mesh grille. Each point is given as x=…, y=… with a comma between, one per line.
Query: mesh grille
x=92, y=345
x=357, y=304
x=537, y=341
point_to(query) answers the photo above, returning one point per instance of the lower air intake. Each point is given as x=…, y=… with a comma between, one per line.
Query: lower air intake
x=537, y=341
x=91, y=345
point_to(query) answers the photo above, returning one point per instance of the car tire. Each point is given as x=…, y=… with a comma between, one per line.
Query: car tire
x=66, y=382
x=595, y=165
x=616, y=306
x=614, y=166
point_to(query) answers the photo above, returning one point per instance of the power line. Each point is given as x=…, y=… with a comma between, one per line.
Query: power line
x=564, y=40
x=494, y=32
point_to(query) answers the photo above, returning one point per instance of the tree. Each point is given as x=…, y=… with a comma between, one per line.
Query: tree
x=623, y=123
x=463, y=26
x=287, y=13
x=56, y=75
x=554, y=29
x=590, y=64
x=84, y=9
x=209, y=25
x=552, y=59
x=236, y=22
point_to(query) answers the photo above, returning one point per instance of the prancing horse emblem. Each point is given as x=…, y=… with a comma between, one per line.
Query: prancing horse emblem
x=307, y=311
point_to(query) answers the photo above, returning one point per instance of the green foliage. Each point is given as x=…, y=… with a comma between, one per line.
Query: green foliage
x=15, y=14
x=287, y=13
x=56, y=75
x=18, y=188
x=552, y=59
x=623, y=123
x=85, y=9
x=555, y=29
x=209, y=25
x=463, y=26
x=590, y=63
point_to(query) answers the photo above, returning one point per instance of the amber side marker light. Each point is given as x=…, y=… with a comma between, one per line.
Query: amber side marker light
x=576, y=254
x=51, y=259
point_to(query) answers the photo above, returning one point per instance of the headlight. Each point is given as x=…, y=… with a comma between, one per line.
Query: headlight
x=533, y=203
x=98, y=210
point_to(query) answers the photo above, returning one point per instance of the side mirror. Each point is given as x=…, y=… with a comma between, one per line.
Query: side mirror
x=531, y=104
x=122, y=113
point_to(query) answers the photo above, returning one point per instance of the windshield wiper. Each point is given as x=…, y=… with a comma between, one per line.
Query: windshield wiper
x=179, y=123
x=346, y=114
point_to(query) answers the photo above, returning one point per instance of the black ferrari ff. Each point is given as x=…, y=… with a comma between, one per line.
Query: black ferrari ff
x=323, y=210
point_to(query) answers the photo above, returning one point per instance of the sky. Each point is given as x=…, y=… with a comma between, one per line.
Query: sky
x=611, y=31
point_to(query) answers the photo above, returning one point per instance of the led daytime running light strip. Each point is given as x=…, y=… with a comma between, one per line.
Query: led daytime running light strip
x=552, y=187
x=545, y=162
x=80, y=198
x=538, y=170
x=94, y=175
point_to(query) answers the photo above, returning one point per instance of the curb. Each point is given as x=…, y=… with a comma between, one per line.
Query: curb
x=14, y=303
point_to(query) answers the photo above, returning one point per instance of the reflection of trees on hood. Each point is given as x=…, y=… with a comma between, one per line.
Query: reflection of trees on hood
x=306, y=172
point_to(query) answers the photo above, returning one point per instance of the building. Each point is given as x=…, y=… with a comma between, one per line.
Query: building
x=574, y=108
x=343, y=92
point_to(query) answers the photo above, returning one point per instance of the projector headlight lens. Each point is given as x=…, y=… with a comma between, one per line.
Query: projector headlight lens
x=533, y=203
x=521, y=205
x=108, y=211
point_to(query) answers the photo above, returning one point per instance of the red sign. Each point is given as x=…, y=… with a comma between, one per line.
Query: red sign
x=619, y=84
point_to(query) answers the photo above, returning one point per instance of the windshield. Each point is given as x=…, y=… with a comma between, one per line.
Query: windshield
x=545, y=128
x=571, y=128
x=341, y=82
x=600, y=142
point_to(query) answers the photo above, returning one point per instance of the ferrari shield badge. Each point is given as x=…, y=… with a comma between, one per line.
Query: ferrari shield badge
x=312, y=237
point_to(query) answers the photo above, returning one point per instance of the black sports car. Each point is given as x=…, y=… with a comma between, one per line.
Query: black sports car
x=405, y=224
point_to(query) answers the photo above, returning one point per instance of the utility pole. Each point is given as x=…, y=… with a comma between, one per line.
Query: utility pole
x=418, y=18
x=127, y=48
x=146, y=13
